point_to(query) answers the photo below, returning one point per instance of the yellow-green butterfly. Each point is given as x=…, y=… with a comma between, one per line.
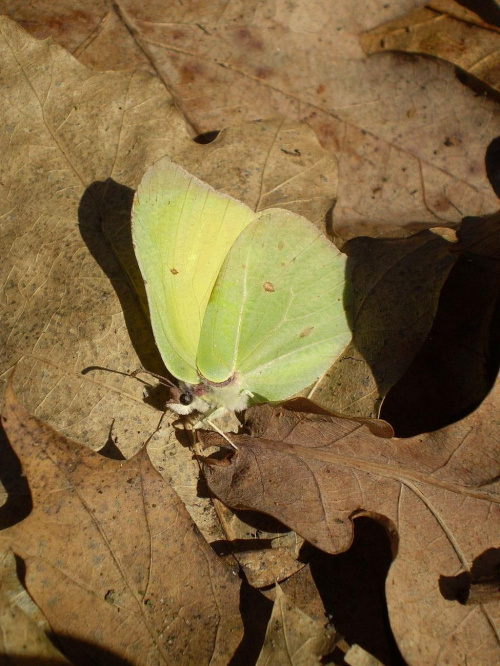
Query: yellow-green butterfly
x=245, y=307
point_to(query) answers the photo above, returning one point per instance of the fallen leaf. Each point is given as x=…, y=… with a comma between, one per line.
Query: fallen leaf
x=396, y=285
x=294, y=638
x=409, y=137
x=437, y=494
x=444, y=29
x=267, y=551
x=24, y=628
x=112, y=557
x=356, y=656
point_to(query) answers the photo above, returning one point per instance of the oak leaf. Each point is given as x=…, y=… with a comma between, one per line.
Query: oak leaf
x=409, y=137
x=447, y=30
x=112, y=557
x=437, y=495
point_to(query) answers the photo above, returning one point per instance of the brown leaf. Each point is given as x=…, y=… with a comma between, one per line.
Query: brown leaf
x=356, y=656
x=24, y=628
x=265, y=549
x=112, y=556
x=437, y=494
x=68, y=179
x=446, y=30
x=396, y=286
x=294, y=638
x=409, y=137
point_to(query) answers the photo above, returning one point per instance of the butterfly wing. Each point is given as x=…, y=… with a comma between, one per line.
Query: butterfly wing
x=277, y=313
x=182, y=230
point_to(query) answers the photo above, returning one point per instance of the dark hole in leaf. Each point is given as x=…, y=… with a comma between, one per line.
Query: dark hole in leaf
x=206, y=137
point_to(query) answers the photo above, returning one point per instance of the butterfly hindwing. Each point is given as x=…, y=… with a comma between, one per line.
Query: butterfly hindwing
x=277, y=314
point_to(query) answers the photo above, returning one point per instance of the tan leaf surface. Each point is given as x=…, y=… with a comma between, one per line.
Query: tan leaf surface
x=89, y=29
x=294, y=638
x=396, y=286
x=24, y=628
x=437, y=494
x=267, y=551
x=446, y=30
x=76, y=144
x=112, y=556
x=409, y=137
x=356, y=656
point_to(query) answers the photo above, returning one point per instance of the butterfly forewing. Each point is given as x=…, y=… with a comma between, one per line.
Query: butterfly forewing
x=182, y=230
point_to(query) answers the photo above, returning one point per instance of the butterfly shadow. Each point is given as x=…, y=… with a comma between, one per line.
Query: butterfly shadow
x=104, y=218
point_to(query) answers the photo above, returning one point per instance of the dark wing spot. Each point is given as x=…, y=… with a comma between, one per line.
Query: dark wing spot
x=268, y=286
x=306, y=332
x=281, y=245
x=174, y=271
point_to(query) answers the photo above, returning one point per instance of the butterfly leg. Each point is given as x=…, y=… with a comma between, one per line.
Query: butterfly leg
x=207, y=419
x=223, y=434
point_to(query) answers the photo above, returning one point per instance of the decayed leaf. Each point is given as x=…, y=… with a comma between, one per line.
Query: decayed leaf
x=24, y=628
x=112, y=556
x=409, y=137
x=294, y=638
x=356, y=656
x=438, y=495
x=75, y=143
x=267, y=551
x=396, y=286
x=446, y=30
x=69, y=166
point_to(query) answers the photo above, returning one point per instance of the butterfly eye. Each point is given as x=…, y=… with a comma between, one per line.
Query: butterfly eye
x=186, y=399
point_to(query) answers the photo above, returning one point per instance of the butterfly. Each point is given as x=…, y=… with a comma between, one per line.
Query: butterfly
x=245, y=307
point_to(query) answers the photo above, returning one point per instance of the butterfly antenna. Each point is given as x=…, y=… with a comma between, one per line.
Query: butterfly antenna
x=160, y=378
x=211, y=423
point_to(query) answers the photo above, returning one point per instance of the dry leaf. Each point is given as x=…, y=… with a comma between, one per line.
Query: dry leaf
x=267, y=551
x=437, y=494
x=96, y=135
x=446, y=30
x=112, y=556
x=356, y=656
x=396, y=286
x=294, y=638
x=24, y=628
x=409, y=137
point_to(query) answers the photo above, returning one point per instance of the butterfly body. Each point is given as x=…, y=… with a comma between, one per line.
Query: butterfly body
x=206, y=398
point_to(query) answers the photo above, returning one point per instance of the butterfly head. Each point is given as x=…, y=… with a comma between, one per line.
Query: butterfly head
x=189, y=398
x=206, y=397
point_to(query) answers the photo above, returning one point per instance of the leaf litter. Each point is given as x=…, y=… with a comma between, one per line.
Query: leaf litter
x=112, y=556
x=432, y=186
